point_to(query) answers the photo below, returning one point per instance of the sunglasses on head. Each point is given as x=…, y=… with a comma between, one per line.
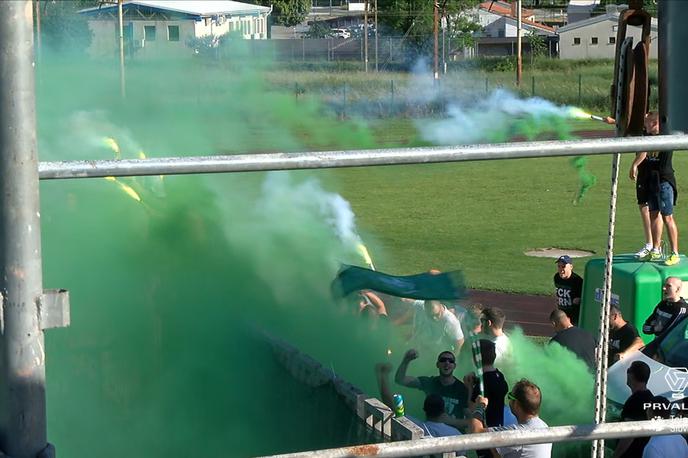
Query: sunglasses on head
x=445, y=360
x=511, y=397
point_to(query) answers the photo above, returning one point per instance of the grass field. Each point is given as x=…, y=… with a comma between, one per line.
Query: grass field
x=482, y=216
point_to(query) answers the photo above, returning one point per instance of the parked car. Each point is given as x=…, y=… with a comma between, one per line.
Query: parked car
x=340, y=33
x=667, y=356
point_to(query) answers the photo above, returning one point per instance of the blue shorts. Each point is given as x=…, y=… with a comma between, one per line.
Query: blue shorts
x=662, y=201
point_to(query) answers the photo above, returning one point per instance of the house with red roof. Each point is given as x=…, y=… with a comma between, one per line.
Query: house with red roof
x=498, y=21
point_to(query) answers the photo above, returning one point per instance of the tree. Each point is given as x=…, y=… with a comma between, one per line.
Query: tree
x=288, y=12
x=538, y=45
x=62, y=28
x=414, y=19
x=319, y=29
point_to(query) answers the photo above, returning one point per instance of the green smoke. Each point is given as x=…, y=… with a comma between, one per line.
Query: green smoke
x=170, y=295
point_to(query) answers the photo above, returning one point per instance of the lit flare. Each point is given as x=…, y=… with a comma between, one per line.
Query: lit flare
x=126, y=188
x=363, y=251
x=112, y=144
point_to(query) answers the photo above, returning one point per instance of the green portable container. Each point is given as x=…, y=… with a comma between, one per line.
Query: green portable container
x=636, y=287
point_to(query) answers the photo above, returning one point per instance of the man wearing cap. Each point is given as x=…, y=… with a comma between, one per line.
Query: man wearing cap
x=568, y=288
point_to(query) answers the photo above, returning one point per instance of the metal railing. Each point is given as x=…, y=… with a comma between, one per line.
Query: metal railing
x=504, y=439
x=355, y=158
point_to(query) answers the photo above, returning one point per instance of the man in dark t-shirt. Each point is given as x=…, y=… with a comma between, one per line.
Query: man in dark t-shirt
x=494, y=383
x=496, y=388
x=637, y=376
x=669, y=310
x=452, y=390
x=577, y=340
x=623, y=336
x=568, y=288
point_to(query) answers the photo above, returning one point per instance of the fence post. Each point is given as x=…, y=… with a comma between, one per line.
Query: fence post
x=296, y=90
x=391, y=98
x=580, y=85
x=344, y=105
x=486, y=86
x=391, y=51
x=533, y=87
x=303, y=50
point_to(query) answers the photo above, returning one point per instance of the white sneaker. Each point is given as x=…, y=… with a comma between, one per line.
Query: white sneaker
x=643, y=253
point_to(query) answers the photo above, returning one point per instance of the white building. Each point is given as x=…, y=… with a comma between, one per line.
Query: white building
x=499, y=20
x=580, y=10
x=595, y=38
x=163, y=27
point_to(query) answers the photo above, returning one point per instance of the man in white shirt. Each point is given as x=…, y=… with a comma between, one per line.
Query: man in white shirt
x=434, y=325
x=493, y=319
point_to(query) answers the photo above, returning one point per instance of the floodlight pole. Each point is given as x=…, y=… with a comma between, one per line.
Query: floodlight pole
x=23, y=429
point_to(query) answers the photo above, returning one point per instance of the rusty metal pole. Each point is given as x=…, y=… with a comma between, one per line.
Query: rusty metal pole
x=22, y=355
x=673, y=65
x=120, y=28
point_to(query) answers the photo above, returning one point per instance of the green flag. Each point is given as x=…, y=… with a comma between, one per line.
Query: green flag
x=425, y=286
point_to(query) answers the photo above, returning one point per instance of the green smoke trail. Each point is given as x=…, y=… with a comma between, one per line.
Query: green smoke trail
x=587, y=179
x=565, y=381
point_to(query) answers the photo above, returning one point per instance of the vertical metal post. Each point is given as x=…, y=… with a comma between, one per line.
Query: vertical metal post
x=22, y=356
x=365, y=36
x=38, y=29
x=673, y=66
x=443, y=23
x=377, y=65
x=435, y=33
x=120, y=25
x=580, y=87
x=391, y=96
x=519, y=61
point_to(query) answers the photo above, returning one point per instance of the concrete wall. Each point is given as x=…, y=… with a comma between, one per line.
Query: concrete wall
x=603, y=30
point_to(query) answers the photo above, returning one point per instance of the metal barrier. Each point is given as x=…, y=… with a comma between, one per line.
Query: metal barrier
x=504, y=439
x=356, y=158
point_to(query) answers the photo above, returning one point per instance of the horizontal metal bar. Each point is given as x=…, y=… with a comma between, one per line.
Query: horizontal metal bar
x=332, y=159
x=504, y=439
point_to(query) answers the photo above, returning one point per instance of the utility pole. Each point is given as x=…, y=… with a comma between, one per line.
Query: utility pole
x=435, y=31
x=365, y=36
x=519, y=61
x=377, y=67
x=444, y=40
x=23, y=424
x=120, y=25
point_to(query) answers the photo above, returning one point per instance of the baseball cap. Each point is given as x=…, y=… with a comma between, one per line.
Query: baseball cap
x=566, y=259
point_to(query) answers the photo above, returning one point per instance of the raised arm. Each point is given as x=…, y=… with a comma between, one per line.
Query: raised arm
x=400, y=377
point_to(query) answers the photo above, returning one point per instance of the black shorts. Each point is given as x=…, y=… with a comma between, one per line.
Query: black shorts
x=642, y=188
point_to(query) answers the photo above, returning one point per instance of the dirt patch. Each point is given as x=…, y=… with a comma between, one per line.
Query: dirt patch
x=556, y=252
